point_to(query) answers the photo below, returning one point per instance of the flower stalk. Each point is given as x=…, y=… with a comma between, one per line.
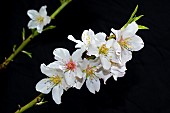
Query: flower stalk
x=32, y=36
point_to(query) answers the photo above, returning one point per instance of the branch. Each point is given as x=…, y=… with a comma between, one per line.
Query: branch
x=30, y=104
x=32, y=36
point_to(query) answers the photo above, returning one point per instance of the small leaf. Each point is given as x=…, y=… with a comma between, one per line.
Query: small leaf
x=142, y=27
x=23, y=34
x=49, y=27
x=14, y=47
x=131, y=18
x=27, y=53
x=137, y=18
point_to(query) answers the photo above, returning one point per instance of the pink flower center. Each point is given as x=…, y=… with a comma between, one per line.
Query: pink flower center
x=71, y=65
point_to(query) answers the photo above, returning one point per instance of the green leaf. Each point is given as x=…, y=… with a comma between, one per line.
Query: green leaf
x=131, y=18
x=49, y=27
x=14, y=47
x=27, y=53
x=142, y=27
x=23, y=34
x=137, y=18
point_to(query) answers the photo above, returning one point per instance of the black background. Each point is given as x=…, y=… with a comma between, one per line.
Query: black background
x=144, y=89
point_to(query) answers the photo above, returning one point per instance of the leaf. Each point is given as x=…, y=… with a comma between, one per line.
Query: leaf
x=14, y=47
x=142, y=27
x=49, y=27
x=137, y=18
x=27, y=53
x=131, y=18
x=23, y=34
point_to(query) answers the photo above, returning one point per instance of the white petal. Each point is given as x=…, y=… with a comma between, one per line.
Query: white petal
x=57, y=93
x=70, y=79
x=101, y=37
x=109, y=43
x=33, y=14
x=47, y=70
x=90, y=85
x=78, y=73
x=96, y=84
x=92, y=50
x=64, y=84
x=126, y=55
x=54, y=65
x=79, y=43
x=130, y=30
x=77, y=55
x=84, y=64
x=44, y=86
x=116, y=33
x=32, y=24
x=40, y=28
x=105, y=62
x=103, y=76
x=116, y=47
x=47, y=20
x=43, y=11
x=117, y=74
x=61, y=54
x=136, y=43
x=79, y=82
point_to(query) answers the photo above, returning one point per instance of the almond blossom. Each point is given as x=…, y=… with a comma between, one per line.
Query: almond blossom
x=90, y=75
x=55, y=82
x=106, y=50
x=38, y=19
x=69, y=64
x=87, y=42
x=128, y=40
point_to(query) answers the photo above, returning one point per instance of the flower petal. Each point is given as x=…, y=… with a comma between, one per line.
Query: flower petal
x=32, y=24
x=61, y=54
x=47, y=20
x=40, y=28
x=57, y=93
x=70, y=79
x=90, y=85
x=126, y=55
x=47, y=70
x=105, y=62
x=79, y=43
x=77, y=55
x=130, y=30
x=109, y=43
x=44, y=86
x=43, y=11
x=96, y=84
x=136, y=43
x=33, y=14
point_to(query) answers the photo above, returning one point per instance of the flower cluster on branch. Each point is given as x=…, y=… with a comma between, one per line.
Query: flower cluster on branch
x=96, y=57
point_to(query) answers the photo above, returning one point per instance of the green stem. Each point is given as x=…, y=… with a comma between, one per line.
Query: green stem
x=25, y=42
x=60, y=8
x=30, y=104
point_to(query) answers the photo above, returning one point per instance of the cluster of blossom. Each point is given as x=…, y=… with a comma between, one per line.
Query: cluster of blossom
x=96, y=57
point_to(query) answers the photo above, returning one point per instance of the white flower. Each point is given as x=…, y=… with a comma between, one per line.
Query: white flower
x=90, y=75
x=69, y=64
x=39, y=19
x=106, y=50
x=117, y=70
x=54, y=82
x=128, y=40
x=87, y=38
